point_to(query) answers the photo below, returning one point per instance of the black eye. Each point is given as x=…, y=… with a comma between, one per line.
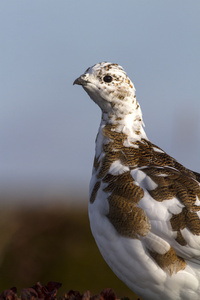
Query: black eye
x=107, y=78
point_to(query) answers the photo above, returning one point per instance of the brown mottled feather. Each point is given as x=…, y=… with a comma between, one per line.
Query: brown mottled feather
x=172, y=178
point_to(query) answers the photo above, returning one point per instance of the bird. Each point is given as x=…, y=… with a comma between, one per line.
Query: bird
x=144, y=206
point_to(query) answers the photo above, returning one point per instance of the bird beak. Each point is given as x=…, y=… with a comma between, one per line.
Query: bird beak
x=80, y=80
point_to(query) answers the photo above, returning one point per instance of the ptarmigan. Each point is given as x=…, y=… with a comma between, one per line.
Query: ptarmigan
x=144, y=206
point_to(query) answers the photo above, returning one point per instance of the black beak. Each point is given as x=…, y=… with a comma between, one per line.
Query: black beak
x=80, y=80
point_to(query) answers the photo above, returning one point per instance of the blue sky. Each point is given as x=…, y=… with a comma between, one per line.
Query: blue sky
x=48, y=126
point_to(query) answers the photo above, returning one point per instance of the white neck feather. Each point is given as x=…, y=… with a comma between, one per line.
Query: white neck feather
x=130, y=124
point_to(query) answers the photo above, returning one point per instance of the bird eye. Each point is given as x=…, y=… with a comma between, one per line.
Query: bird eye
x=107, y=78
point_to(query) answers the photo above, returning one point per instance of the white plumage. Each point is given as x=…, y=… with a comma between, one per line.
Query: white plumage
x=144, y=206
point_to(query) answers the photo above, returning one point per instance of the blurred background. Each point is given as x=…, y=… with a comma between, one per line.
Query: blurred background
x=48, y=126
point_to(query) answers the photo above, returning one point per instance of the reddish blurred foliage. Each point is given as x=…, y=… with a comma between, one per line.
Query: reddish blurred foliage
x=38, y=291
x=10, y=294
x=49, y=292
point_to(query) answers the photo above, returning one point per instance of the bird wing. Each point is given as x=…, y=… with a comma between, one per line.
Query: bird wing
x=171, y=203
x=171, y=200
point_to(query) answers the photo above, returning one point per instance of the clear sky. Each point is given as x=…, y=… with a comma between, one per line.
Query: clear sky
x=48, y=126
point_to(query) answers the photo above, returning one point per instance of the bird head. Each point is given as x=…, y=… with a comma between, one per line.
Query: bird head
x=108, y=86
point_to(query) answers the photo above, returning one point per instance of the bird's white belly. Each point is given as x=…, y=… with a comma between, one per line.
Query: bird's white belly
x=130, y=261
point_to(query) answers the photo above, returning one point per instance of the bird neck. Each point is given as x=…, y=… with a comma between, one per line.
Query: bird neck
x=127, y=129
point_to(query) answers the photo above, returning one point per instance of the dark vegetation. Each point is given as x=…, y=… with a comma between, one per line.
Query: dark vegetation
x=49, y=292
x=53, y=243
